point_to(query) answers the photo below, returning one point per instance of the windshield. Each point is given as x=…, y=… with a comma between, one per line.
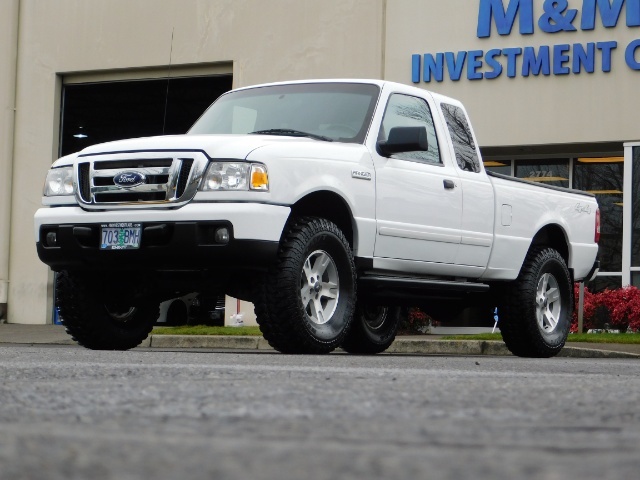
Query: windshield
x=327, y=111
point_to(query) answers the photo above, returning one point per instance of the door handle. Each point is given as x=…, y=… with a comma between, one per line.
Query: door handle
x=449, y=184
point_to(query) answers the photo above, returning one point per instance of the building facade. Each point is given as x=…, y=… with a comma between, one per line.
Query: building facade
x=548, y=84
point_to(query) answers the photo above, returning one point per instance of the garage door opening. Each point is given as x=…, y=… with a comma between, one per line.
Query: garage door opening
x=101, y=112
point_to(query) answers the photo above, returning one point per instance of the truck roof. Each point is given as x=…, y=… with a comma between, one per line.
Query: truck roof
x=381, y=83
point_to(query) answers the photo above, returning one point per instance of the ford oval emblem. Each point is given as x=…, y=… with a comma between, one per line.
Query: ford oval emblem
x=129, y=179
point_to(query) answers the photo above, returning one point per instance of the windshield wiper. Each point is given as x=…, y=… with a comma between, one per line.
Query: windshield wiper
x=291, y=133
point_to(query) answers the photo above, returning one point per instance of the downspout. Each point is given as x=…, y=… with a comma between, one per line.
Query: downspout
x=9, y=31
x=383, y=53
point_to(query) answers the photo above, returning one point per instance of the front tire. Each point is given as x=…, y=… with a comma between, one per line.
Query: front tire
x=535, y=315
x=97, y=320
x=373, y=329
x=306, y=302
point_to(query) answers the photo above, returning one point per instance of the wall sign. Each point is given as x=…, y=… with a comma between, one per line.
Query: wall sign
x=525, y=61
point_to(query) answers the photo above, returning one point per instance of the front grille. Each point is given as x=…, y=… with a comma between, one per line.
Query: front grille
x=84, y=183
x=155, y=181
x=184, y=176
x=132, y=163
x=129, y=197
x=151, y=179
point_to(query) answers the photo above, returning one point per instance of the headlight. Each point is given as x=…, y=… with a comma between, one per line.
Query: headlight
x=227, y=176
x=59, y=182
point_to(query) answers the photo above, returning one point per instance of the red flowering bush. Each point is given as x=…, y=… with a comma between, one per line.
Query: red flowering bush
x=620, y=309
x=624, y=307
x=414, y=320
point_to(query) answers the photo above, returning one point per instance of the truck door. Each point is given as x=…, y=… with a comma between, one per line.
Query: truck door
x=477, y=192
x=418, y=199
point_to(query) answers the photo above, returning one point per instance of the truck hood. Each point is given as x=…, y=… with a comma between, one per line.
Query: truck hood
x=215, y=146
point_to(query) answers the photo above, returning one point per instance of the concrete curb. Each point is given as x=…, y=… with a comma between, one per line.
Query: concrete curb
x=238, y=342
x=577, y=352
x=401, y=345
x=411, y=345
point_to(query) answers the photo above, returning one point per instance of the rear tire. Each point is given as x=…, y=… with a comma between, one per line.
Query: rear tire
x=373, y=329
x=306, y=303
x=535, y=312
x=98, y=321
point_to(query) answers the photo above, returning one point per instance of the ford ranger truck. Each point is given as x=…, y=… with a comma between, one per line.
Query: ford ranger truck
x=329, y=204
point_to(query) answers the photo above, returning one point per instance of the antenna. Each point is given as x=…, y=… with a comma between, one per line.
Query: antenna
x=166, y=96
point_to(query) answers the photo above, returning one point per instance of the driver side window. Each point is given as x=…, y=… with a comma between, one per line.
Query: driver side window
x=407, y=111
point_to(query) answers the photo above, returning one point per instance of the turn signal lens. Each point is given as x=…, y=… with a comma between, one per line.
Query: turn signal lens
x=259, y=178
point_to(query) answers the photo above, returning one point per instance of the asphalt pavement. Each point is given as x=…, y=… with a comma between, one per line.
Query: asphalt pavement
x=11, y=333
x=68, y=413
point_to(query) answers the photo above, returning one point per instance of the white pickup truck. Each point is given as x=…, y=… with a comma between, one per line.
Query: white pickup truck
x=328, y=204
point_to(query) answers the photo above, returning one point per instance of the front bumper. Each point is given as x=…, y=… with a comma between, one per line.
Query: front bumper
x=171, y=239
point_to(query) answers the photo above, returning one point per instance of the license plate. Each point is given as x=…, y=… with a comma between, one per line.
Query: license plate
x=120, y=236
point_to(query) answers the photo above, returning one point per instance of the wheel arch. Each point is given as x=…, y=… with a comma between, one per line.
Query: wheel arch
x=331, y=206
x=553, y=236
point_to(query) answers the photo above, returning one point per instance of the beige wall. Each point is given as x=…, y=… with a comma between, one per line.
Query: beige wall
x=8, y=52
x=261, y=41
x=520, y=111
x=246, y=309
x=265, y=41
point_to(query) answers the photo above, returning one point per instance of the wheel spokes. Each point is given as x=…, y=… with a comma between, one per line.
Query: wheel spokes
x=548, y=303
x=551, y=320
x=319, y=287
x=329, y=290
x=553, y=294
x=318, y=310
x=306, y=268
x=321, y=263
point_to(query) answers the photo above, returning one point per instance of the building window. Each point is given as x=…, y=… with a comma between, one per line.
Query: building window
x=503, y=166
x=604, y=282
x=550, y=172
x=604, y=178
x=635, y=213
x=105, y=111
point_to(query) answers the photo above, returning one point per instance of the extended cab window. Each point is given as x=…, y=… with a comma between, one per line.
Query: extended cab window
x=408, y=111
x=463, y=144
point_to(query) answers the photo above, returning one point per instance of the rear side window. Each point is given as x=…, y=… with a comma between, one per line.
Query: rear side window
x=460, y=132
x=408, y=111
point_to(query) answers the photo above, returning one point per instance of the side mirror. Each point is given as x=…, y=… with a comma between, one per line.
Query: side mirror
x=404, y=139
